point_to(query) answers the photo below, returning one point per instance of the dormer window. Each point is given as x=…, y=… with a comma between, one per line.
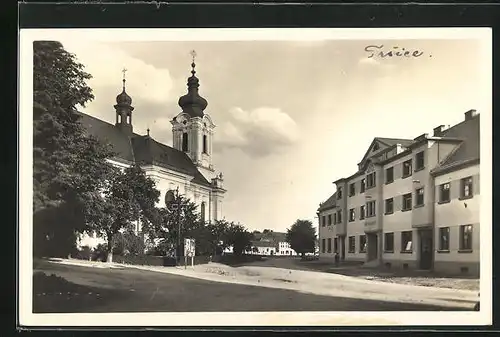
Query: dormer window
x=375, y=147
x=339, y=194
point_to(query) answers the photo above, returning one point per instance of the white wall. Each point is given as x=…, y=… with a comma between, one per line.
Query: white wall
x=458, y=212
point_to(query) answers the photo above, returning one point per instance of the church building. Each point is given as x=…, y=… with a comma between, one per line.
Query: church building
x=186, y=166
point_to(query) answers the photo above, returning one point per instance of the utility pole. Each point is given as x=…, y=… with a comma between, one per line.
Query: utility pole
x=178, y=219
x=173, y=205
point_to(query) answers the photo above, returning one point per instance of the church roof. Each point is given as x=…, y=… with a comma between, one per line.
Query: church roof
x=142, y=150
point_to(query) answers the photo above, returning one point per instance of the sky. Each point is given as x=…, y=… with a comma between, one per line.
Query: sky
x=291, y=116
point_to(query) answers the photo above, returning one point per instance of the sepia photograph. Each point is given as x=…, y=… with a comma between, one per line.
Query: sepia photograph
x=203, y=177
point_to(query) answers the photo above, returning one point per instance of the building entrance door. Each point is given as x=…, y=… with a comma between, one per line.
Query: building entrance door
x=426, y=249
x=372, y=246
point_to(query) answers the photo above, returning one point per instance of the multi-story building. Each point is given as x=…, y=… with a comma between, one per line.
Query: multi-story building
x=412, y=203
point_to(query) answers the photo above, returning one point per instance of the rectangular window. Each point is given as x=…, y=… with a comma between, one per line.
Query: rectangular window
x=185, y=142
x=389, y=206
x=361, y=212
x=419, y=161
x=407, y=168
x=352, y=189
x=389, y=175
x=362, y=243
x=371, y=180
x=444, y=192
x=389, y=242
x=329, y=245
x=339, y=216
x=335, y=245
x=466, y=187
x=370, y=209
x=335, y=218
x=419, y=198
x=323, y=221
x=339, y=193
x=329, y=219
x=323, y=248
x=406, y=202
x=406, y=241
x=363, y=186
x=205, y=144
x=352, y=215
x=444, y=238
x=466, y=237
x=352, y=244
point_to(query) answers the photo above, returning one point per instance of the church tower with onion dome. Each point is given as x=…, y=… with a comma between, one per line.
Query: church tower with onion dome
x=193, y=129
x=124, y=110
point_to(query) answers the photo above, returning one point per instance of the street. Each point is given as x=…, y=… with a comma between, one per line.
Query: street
x=91, y=290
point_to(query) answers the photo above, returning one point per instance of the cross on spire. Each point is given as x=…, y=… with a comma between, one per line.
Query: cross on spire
x=193, y=65
x=124, y=70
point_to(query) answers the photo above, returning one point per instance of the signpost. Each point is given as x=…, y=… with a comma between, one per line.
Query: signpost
x=189, y=251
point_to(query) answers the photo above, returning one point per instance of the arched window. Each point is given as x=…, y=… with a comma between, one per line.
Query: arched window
x=202, y=211
x=205, y=147
x=119, y=119
x=185, y=142
x=128, y=119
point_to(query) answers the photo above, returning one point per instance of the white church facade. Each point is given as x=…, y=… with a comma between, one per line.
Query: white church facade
x=186, y=166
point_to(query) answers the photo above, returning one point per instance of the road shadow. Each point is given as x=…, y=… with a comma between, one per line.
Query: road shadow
x=54, y=294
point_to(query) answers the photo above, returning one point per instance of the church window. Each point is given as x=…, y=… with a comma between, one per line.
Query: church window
x=185, y=142
x=205, y=150
x=202, y=211
x=128, y=119
x=119, y=118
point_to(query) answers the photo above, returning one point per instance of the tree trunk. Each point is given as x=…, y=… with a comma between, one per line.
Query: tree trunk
x=109, y=258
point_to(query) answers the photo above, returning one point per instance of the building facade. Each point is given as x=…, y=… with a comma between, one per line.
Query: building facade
x=412, y=203
x=186, y=166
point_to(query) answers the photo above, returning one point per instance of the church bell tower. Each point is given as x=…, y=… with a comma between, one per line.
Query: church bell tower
x=124, y=109
x=193, y=128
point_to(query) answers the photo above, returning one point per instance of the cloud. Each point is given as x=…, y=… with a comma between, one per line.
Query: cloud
x=260, y=132
x=105, y=64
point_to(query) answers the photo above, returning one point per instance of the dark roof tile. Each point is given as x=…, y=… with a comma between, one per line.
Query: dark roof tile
x=142, y=149
x=469, y=149
x=329, y=203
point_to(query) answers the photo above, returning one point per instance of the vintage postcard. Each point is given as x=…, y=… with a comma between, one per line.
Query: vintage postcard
x=255, y=177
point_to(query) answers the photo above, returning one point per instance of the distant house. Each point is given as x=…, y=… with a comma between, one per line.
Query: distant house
x=270, y=243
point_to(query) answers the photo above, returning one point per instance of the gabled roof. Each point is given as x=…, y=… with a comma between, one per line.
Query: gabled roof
x=468, y=150
x=331, y=202
x=257, y=243
x=385, y=142
x=394, y=141
x=142, y=150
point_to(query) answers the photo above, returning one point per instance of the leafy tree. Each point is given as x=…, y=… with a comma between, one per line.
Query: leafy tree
x=302, y=237
x=238, y=237
x=128, y=243
x=164, y=234
x=218, y=235
x=128, y=196
x=66, y=161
